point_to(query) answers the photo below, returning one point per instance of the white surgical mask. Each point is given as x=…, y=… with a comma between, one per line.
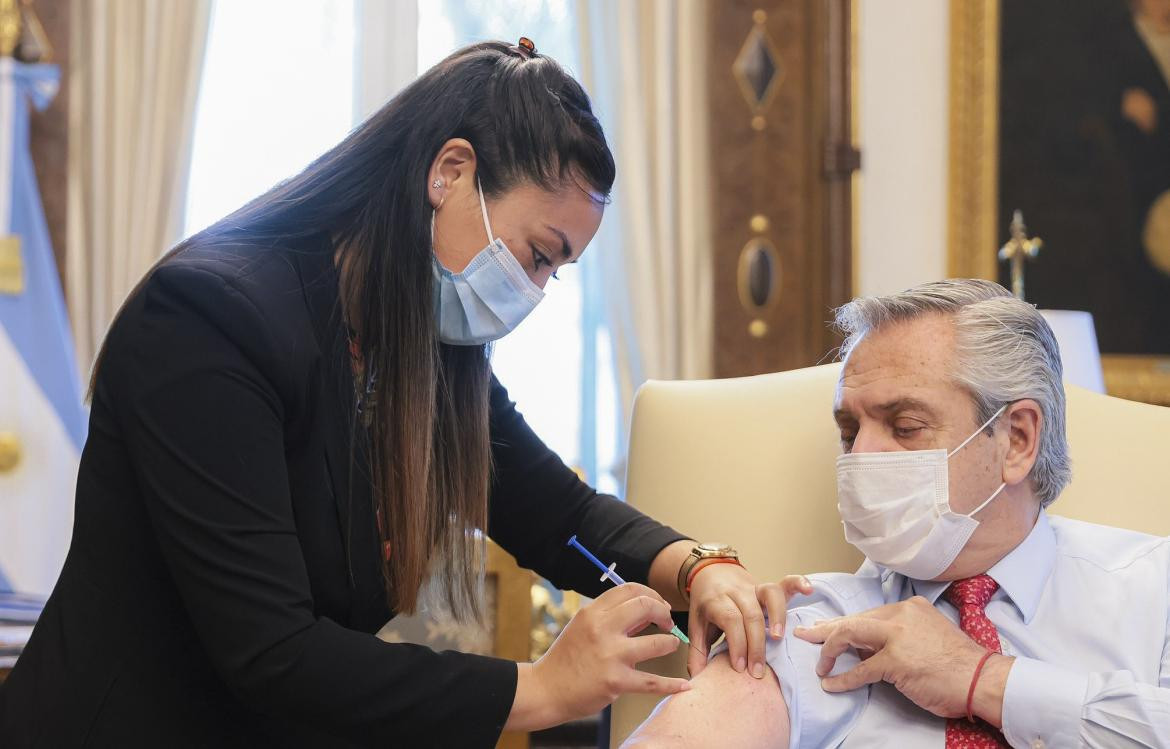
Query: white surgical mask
x=896, y=508
x=489, y=298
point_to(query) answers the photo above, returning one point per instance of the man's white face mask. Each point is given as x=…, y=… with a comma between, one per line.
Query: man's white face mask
x=896, y=508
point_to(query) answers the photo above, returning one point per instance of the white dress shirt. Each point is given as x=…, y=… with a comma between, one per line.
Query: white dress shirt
x=1081, y=607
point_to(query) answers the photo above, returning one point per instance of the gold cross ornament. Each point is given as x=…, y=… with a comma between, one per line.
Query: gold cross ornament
x=1018, y=249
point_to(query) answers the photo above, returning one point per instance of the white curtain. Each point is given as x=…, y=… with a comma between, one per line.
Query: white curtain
x=644, y=67
x=387, y=52
x=133, y=80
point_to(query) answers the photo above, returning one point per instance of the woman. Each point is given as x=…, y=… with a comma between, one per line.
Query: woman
x=295, y=422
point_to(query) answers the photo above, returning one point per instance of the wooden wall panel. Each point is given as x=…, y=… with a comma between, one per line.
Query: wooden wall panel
x=780, y=174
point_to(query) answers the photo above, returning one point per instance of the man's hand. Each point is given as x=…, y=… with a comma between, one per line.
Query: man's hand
x=918, y=650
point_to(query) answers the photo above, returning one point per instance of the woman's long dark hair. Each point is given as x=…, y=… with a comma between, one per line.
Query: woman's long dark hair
x=430, y=457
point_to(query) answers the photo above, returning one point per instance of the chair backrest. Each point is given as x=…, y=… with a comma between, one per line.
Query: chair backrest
x=751, y=460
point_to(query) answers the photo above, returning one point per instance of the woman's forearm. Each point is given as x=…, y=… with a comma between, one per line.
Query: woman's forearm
x=664, y=572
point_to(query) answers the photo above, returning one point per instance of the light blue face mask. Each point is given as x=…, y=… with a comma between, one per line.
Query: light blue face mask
x=489, y=298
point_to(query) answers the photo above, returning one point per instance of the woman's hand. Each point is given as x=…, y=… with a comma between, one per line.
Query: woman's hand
x=592, y=661
x=725, y=598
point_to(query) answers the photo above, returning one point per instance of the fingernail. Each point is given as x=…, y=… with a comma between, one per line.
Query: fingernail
x=806, y=582
x=825, y=684
x=740, y=665
x=686, y=686
x=799, y=630
x=777, y=632
x=758, y=670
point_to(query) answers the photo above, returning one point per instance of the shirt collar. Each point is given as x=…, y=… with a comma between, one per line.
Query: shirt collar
x=1021, y=574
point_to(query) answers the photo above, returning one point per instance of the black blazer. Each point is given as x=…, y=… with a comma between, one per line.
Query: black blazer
x=208, y=598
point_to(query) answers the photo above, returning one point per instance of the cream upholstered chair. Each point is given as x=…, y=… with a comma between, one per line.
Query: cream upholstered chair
x=750, y=461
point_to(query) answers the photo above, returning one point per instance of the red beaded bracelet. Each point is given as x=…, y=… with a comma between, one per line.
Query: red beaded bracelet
x=704, y=565
x=974, y=681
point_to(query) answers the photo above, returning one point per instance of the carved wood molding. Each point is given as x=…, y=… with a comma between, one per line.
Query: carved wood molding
x=1138, y=377
x=974, y=139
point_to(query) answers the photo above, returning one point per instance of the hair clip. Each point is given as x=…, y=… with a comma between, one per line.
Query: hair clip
x=525, y=47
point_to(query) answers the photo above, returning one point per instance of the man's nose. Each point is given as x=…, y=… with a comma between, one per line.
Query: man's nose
x=874, y=439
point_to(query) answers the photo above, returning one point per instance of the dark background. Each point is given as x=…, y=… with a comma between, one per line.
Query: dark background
x=1083, y=174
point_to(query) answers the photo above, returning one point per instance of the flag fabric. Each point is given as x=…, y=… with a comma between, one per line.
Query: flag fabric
x=42, y=417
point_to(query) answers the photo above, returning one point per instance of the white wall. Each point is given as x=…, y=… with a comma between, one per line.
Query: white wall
x=902, y=189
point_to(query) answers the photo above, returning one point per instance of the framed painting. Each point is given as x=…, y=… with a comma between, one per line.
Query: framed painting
x=1061, y=109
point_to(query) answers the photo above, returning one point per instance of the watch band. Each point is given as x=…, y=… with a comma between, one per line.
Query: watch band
x=701, y=552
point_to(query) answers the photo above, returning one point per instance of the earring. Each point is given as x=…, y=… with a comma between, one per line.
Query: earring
x=437, y=183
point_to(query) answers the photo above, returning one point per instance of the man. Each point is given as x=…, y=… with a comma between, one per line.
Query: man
x=977, y=620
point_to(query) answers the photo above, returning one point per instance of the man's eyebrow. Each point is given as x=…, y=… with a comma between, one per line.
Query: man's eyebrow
x=906, y=404
x=894, y=406
x=566, y=248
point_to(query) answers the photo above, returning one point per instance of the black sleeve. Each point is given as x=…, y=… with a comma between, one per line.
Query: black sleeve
x=204, y=387
x=537, y=503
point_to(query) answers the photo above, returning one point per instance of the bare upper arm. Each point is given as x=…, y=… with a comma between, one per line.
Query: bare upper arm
x=722, y=708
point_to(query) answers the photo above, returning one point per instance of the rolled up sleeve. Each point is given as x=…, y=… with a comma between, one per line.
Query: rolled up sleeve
x=817, y=718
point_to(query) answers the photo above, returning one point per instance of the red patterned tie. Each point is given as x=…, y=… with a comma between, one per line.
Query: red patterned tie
x=970, y=596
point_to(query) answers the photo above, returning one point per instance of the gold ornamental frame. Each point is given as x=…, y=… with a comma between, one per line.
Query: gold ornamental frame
x=972, y=185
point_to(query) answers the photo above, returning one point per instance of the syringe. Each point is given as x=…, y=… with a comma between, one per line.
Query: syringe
x=609, y=573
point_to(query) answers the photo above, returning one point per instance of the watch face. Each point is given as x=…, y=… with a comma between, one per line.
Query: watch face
x=714, y=547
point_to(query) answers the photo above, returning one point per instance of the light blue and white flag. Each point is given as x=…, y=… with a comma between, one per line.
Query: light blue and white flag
x=42, y=418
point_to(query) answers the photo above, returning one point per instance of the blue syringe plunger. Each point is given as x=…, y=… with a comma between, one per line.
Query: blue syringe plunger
x=608, y=573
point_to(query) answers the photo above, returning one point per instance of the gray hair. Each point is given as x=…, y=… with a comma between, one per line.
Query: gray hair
x=1005, y=352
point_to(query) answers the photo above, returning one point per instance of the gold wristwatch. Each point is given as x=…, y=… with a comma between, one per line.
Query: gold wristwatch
x=701, y=553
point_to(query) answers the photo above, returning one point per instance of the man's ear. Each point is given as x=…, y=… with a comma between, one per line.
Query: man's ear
x=1024, y=420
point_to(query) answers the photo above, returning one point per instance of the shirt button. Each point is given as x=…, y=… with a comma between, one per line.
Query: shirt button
x=1038, y=744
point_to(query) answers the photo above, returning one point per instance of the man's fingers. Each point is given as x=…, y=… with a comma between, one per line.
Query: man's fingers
x=633, y=615
x=870, y=633
x=775, y=601
x=866, y=672
x=651, y=646
x=890, y=610
x=861, y=634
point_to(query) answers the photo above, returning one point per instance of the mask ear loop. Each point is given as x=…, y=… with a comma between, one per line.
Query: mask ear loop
x=975, y=434
x=987, y=501
x=995, y=493
x=487, y=225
